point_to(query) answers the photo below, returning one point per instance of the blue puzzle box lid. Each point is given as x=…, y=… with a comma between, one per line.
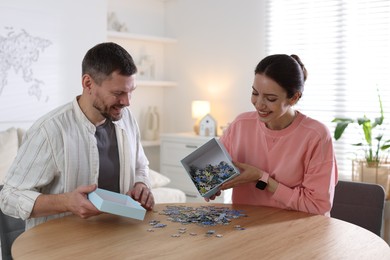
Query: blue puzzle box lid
x=116, y=203
x=209, y=167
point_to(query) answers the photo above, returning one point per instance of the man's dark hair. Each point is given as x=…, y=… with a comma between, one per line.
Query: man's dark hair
x=105, y=58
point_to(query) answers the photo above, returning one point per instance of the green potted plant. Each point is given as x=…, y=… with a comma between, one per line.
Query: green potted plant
x=374, y=168
x=372, y=150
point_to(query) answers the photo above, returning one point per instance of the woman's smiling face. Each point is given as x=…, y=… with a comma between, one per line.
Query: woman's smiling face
x=271, y=103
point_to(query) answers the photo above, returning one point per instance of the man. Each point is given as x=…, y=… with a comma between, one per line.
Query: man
x=91, y=142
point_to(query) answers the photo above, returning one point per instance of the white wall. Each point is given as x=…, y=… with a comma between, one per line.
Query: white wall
x=72, y=29
x=143, y=17
x=219, y=44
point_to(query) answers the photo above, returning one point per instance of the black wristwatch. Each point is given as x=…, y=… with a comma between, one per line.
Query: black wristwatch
x=263, y=181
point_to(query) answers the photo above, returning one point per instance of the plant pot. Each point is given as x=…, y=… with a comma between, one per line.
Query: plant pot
x=372, y=173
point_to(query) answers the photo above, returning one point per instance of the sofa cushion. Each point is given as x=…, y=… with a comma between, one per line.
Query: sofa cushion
x=168, y=195
x=8, y=149
x=157, y=179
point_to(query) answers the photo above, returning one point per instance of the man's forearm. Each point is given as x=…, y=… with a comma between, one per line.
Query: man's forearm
x=49, y=204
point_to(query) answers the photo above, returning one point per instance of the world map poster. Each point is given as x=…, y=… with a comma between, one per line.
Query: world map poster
x=28, y=64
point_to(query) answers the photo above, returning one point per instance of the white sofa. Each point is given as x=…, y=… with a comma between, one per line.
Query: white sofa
x=10, y=140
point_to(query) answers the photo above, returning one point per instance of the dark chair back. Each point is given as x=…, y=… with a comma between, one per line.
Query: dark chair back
x=10, y=229
x=359, y=203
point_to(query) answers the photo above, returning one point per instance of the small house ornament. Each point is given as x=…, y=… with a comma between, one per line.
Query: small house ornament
x=208, y=126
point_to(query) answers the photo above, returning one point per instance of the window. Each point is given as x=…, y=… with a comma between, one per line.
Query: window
x=345, y=46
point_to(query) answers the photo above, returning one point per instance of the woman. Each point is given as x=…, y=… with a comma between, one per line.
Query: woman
x=286, y=159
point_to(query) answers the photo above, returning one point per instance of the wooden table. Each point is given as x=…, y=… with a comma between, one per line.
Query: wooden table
x=269, y=233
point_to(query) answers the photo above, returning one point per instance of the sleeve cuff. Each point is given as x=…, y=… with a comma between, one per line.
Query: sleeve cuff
x=143, y=180
x=283, y=194
x=26, y=203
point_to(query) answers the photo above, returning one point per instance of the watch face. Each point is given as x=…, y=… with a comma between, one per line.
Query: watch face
x=261, y=185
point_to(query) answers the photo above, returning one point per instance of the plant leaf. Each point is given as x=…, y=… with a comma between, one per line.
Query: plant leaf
x=378, y=121
x=340, y=127
x=379, y=137
x=367, y=131
x=363, y=120
x=341, y=119
x=385, y=147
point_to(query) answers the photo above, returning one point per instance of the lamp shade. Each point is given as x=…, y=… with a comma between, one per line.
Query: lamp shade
x=200, y=108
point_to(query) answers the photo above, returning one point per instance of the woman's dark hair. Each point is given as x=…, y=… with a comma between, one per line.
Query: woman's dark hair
x=288, y=71
x=105, y=58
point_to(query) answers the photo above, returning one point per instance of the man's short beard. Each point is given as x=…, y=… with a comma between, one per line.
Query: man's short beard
x=105, y=114
x=109, y=117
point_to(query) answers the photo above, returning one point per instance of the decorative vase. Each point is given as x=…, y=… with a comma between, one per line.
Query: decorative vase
x=146, y=67
x=152, y=124
x=372, y=173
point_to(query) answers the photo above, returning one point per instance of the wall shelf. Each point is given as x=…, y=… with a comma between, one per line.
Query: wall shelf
x=150, y=143
x=140, y=37
x=113, y=35
x=156, y=83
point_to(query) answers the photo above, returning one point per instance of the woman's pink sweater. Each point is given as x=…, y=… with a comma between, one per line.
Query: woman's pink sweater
x=300, y=158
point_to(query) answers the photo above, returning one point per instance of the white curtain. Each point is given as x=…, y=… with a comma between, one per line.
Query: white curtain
x=345, y=46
